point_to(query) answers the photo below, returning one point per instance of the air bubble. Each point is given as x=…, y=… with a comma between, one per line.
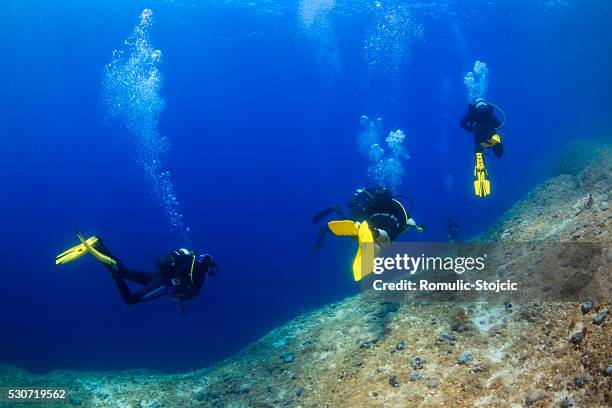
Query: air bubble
x=131, y=86
x=477, y=81
x=385, y=163
x=387, y=44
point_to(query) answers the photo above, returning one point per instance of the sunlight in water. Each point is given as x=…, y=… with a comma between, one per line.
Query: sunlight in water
x=131, y=92
x=387, y=44
x=316, y=25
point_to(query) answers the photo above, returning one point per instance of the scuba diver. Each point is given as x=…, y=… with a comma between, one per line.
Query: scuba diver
x=452, y=230
x=376, y=217
x=180, y=274
x=481, y=121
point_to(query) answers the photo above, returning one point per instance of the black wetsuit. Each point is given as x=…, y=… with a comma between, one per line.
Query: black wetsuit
x=483, y=126
x=177, y=279
x=377, y=206
x=374, y=205
x=452, y=229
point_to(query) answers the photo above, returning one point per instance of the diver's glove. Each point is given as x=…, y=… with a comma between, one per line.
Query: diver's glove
x=482, y=185
x=412, y=223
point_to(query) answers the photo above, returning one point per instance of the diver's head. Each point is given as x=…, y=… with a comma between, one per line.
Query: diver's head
x=481, y=105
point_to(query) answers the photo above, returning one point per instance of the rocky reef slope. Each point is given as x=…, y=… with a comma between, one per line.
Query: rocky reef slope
x=358, y=353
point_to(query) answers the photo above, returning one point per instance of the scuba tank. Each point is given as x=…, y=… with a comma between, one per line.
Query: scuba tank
x=364, y=199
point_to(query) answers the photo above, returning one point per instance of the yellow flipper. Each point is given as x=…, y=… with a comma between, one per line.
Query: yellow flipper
x=97, y=254
x=75, y=252
x=343, y=228
x=364, y=260
x=494, y=140
x=482, y=185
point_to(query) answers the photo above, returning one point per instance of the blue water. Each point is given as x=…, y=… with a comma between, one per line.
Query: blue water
x=261, y=114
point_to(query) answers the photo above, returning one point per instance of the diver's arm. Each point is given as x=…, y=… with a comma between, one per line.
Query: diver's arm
x=466, y=122
x=206, y=266
x=412, y=224
x=381, y=237
x=195, y=291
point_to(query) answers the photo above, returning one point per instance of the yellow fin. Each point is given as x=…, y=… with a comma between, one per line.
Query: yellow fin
x=357, y=265
x=364, y=260
x=75, y=252
x=494, y=140
x=343, y=228
x=97, y=254
x=482, y=185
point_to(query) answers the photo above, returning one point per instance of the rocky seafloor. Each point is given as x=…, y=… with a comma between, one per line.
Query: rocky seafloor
x=358, y=353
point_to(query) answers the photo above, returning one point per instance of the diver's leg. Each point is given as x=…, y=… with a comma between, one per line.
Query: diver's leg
x=139, y=277
x=477, y=145
x=152, y=290
x=496, y=144
x=325, y=229
x=317, y=245
x=328, y=211
x=322, y=214
x=119, y=269
x=125, y=292
x=498, y=150
x=339, y=212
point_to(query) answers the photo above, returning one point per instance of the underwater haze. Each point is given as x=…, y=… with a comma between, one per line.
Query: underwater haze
x=225, y=126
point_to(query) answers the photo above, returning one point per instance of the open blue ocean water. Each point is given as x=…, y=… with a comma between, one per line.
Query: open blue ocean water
x=259, y=127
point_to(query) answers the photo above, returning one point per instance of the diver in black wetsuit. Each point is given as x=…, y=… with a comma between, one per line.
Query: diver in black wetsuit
x=385, y=215
x=180, y=274
x=481, y=121
x=452, y=230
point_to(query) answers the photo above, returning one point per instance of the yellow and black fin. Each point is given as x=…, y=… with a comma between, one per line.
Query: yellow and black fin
x=494, y=140
x=97, y=254
x=344, y=228
x=364, y=260
x=75, y=252
x=482, y=185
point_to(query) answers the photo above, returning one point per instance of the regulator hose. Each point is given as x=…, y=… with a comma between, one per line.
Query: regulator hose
x=502, y=112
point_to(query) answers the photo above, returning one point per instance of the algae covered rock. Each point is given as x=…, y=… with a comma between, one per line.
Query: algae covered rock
x=578, y=155
x=362, y=353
